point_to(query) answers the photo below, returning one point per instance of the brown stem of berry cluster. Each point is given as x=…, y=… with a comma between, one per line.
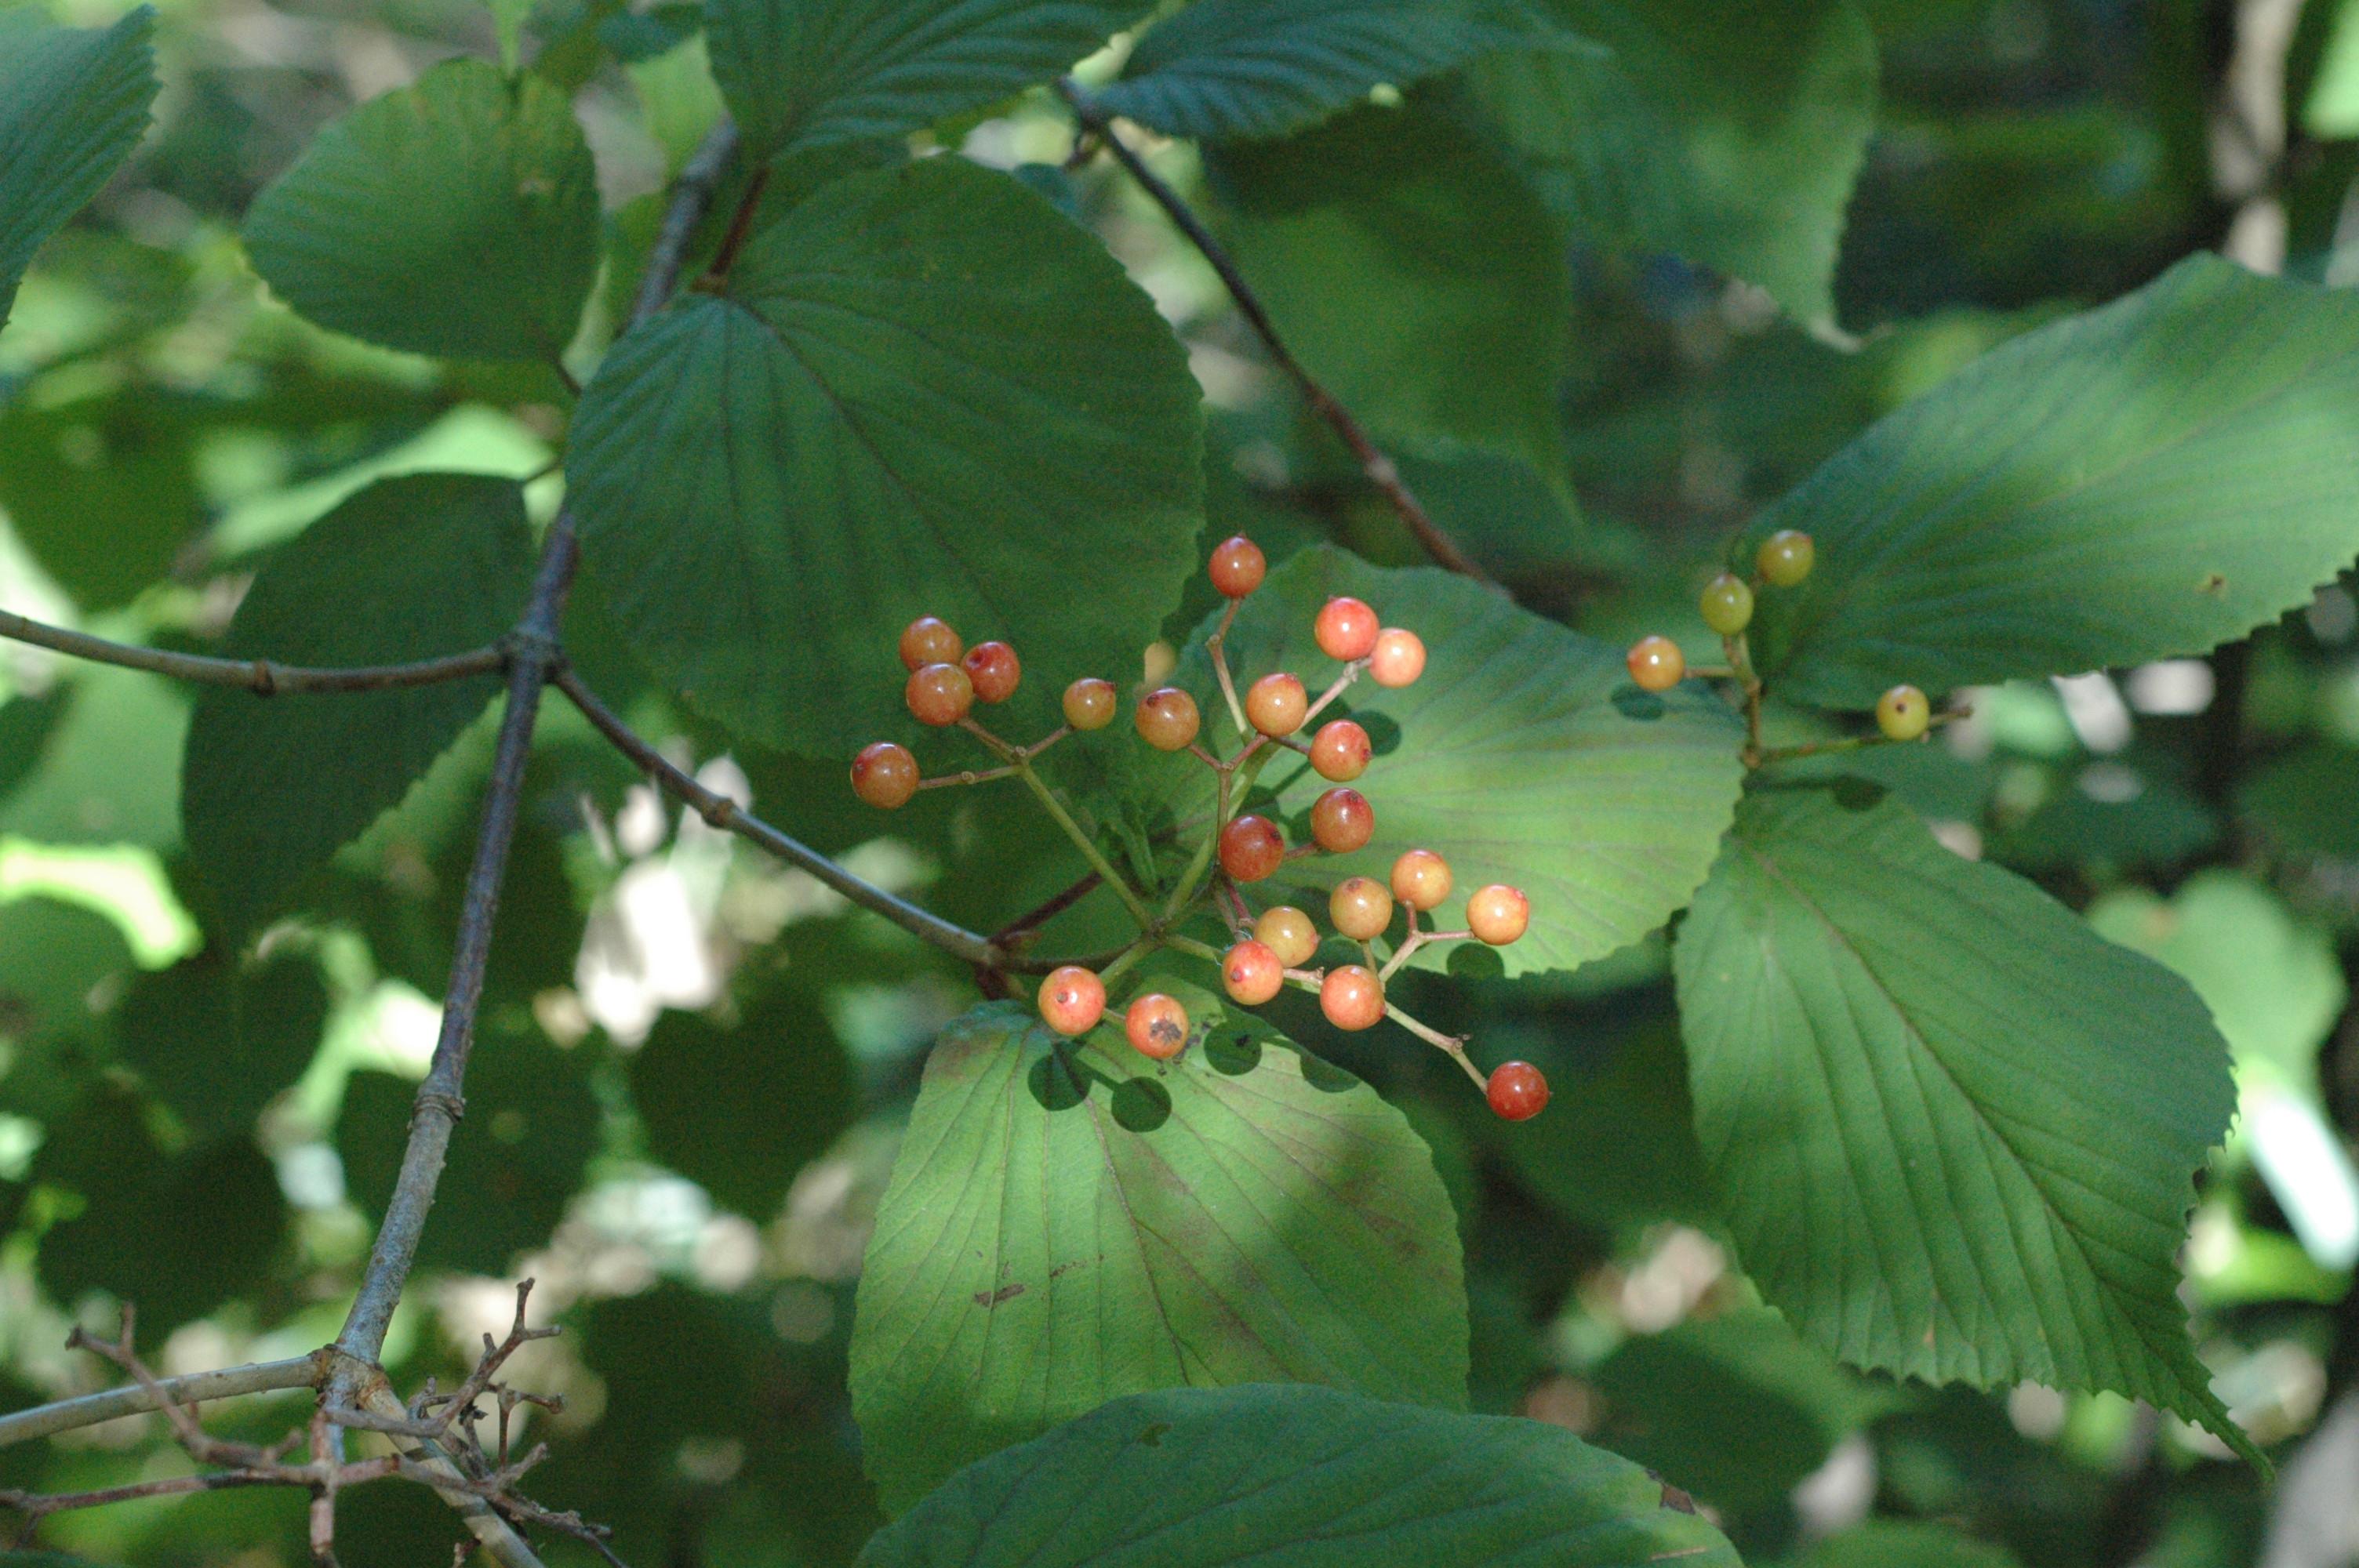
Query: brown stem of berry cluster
x=1374, y=463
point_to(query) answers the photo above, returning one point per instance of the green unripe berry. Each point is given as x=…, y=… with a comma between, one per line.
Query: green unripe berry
x=1727, y=604
x=1902, y=713
x=1787, y=556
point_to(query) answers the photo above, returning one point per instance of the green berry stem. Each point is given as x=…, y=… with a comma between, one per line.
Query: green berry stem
x=1854, y=742
x=1217, y=645
x=1082, y=841
x=1189, y=944
x=1351, y=673
x=970, y=776
x=1452, y=1045
x=1740, y=666
x=1114, y=970
x=1236, y=781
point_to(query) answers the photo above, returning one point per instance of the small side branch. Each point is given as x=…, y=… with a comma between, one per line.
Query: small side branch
x=135, y=1398
x=261, y=676
x=1380, y=469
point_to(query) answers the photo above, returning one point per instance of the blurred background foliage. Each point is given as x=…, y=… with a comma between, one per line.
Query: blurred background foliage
x=695, y=1065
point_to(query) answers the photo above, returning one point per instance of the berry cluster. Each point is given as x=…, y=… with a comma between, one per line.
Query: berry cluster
x=1268, y=951
x=1784, y=560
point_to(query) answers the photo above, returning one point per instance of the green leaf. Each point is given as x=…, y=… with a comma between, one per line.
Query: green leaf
x=1302, y=1476
x=102, y=490
x=1524, y=755
x=812, y=72
x=1904, y=1543
x=1067, y=1222
x=73, y=103
x=2150, y=479
x=1237, y=70
x=109, y=769
x=1728, y=135
x=217, y=1044
x=1414, y=273
x=57, y=959
x=1955, y=1133
x=456, y=217
x=409, y=568
x=740, y=1110
x=942, y=397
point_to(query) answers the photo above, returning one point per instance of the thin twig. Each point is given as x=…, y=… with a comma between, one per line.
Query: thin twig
x=261, y=676
x=692, y=197
x=89, y=1410
x=1381, y=471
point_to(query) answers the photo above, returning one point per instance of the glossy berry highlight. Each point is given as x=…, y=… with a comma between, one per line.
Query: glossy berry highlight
x=1073, y=1000
x=1421, y=878
x=1250, y=973
x=1156, y=1025
x=1517, y=1091
x=1090, y=703
x=1498, y=913
x=1361, y=908
x=1397, y=659
x=1167, y=717
x=1727, y=604
x=1341, y=820
x=1275, y=703
x=1251, y=848
x=1352, y=998
x=1346, y=629
x=994, y=671
x=1657, y=664
x=938, y=694
x=1785, y=557
x=1288, y=933
x=1903, y=714
x=929, y=641
x=1237, y=566
x=1340, y=751
x=885, y=775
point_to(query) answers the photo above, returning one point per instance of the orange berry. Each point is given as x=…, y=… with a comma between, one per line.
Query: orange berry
x=929, y=641
x=1341, y=751
x=1073, y=1000
x=1360, y=907
x=1288, y=933
x=1237, y=566
x=1420, y=879
x=1341, y=820
x=1252, y=974
x=938, y=694
x=1089, y=703
x=1516, y=1091
x=1657, y=664
x=1346, y=630
x=1251, y=848
x=1167, y=717
x=1498, y=913
x=885, y=775
x=1275, y=704
x=993, y=669
x=1397, y=659
x=1158, y=1026
x=1352, y=998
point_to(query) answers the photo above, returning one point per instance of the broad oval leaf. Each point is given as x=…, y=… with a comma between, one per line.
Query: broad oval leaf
x=409, y=568
x=457, y=217
x=1067, y=1223
x=73, y=103
x=926, y=393
x=1524, y=755
x=812, y=73
x=1232, y=69
x=1956, y=1133
x=217, y=1043
x=1301, y=1477
x=1728, y=135
x=2150, y=479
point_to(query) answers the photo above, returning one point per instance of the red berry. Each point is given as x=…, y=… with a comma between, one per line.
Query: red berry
x=1167, y=717
x=993, y=669
x=1786, y=556
x=1288, y=933
x=1341, y=751
x=1252, y=973
x=1251, y=848
x=1275, y=705
x=1073, y=1000
x=1089, y=703
x=1657, y=664
x=1158, y=1026
x=1341, y=820
x=1903, y=714
x=1397, y=659
x=1346, y=630
x=1360, y=907
x=1498, y=913
x=1352, y=998
x=1237, y=566
x=1420, y=879
x=885, y=775
x=929, y=642
x=1516, y=1091
x=938, y=694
